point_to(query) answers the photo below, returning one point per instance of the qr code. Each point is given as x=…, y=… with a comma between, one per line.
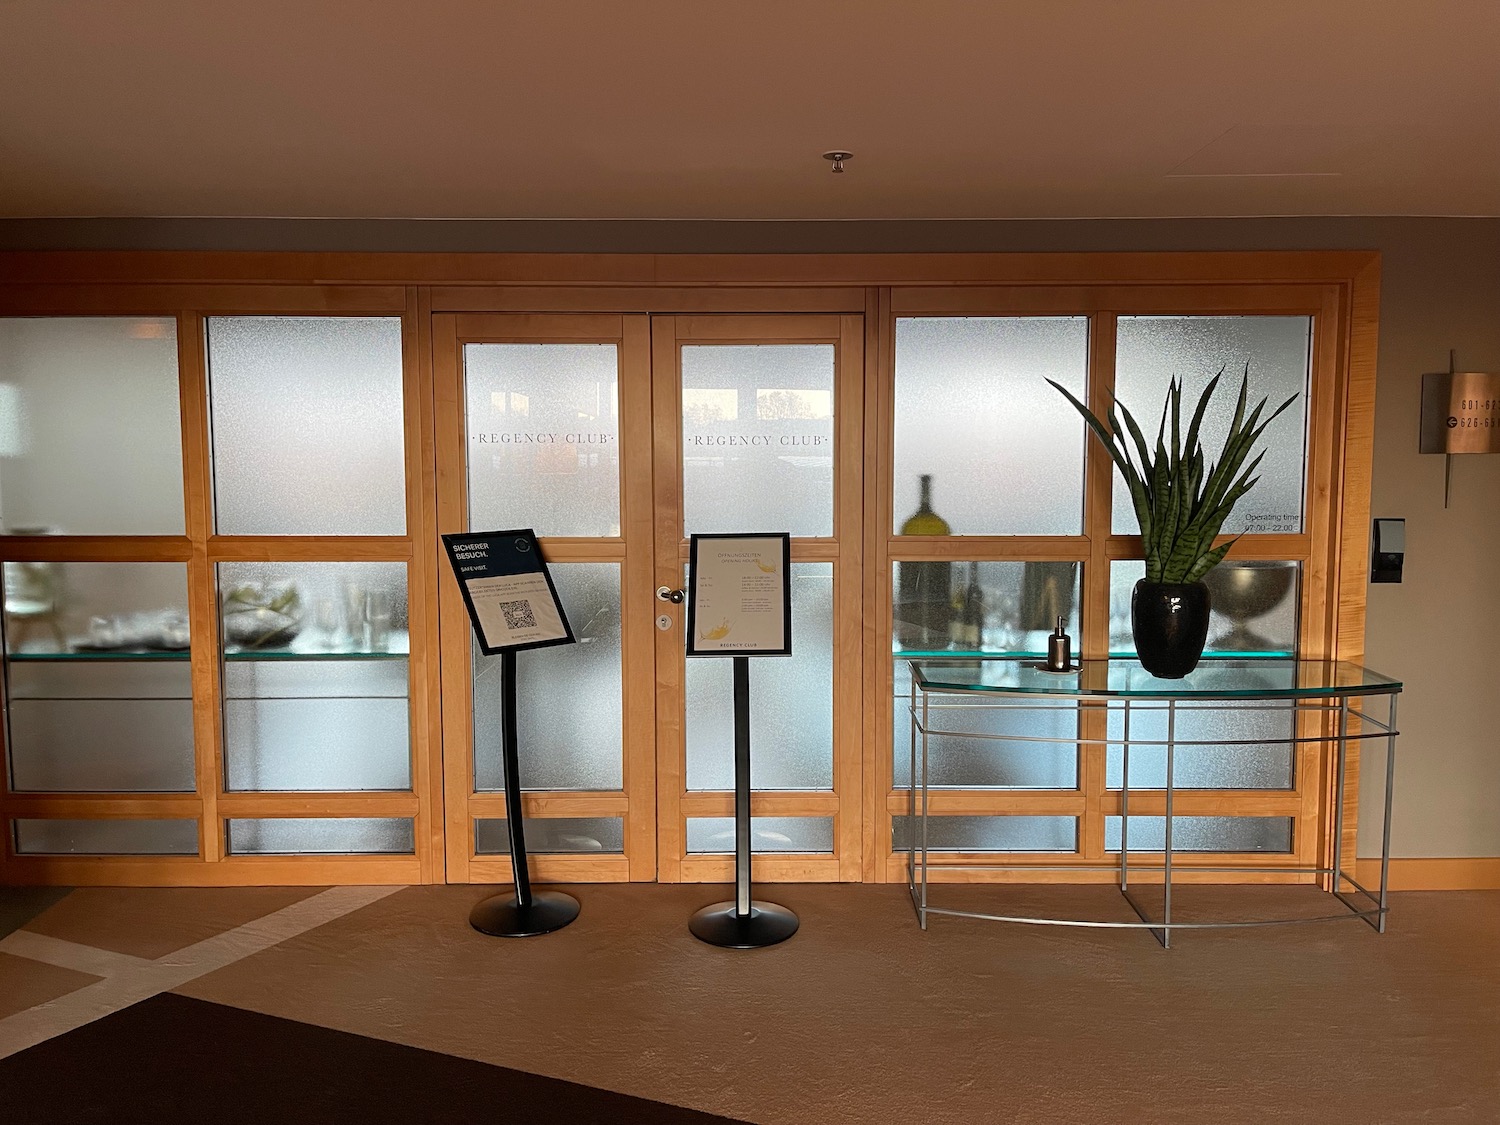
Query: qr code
x=518, y=615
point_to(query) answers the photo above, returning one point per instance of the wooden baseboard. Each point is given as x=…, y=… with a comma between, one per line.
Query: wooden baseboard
x=1477, y=873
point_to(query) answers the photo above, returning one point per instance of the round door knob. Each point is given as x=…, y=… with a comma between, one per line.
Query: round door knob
x=667, y=594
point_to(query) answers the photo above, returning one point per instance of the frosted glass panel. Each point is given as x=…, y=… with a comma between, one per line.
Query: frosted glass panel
x=987, y=763
x=1203, y=833
x=358, y=835
x=103, y=746
x=307, y=425
x=568, y=696
x=974, y=411
x=991, y=833
x=90, y=429
x=1012, y=608
x=1151, y=350
x=713, y=835
x=106, y=837
x=322, y=704
x=98, y=609
x=98, y=678
x=791, y=702
x=560, y=835
x=1264, y=766
x=1254, y=606
x=757, y=438
x=543, y=426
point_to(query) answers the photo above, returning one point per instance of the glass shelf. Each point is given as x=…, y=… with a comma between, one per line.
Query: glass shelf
x=84, y=656
x=1215, y=678
x=313, y=654
x=398, y=649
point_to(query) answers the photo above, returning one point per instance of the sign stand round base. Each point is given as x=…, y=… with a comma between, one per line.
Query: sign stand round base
x=722, y=924
x=504, y=916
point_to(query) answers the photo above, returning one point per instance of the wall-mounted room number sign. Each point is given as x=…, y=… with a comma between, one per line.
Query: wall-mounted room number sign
x=740, y=595
x=1461, y=412
x=512, y=602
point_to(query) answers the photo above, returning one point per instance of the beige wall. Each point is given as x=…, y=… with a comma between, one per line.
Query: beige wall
x=1440, y=290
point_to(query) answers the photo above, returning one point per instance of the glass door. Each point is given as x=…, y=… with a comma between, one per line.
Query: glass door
x=614, y=437
x=758, y=427
x=553, y=415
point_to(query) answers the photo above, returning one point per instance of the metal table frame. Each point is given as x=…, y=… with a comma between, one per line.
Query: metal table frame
x=1371, y=905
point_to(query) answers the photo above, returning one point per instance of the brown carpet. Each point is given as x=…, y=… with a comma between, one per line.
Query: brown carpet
x=863, y=1018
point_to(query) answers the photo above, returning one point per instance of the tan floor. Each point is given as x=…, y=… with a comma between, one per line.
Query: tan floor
x=25, y=983
x=864, y=1018
x=154, y=921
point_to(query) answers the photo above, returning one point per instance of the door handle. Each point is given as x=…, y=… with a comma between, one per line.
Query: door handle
x=667, y=594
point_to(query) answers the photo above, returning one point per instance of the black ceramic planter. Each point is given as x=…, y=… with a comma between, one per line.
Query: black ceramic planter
x=1169, y=621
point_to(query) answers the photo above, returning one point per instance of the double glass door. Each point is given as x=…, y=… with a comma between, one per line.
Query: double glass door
x=616, y=436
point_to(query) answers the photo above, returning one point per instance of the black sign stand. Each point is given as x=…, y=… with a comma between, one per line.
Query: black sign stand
x=744, y=923
x=525, y=913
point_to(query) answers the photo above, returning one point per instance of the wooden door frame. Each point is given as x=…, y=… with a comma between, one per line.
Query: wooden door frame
x=635, y=802
x=844, y=803
x=185, y=285
x=201, y=550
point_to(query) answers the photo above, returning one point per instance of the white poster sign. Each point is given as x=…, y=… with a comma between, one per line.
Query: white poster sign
x=740, y=595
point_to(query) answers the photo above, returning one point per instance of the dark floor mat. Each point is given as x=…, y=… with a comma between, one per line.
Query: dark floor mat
x=19, y=905
x=172, y=1059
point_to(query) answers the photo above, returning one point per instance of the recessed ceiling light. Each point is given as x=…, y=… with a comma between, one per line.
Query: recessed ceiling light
x=838, y=157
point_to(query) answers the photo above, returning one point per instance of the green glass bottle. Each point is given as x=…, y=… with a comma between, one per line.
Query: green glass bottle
x=924, y=590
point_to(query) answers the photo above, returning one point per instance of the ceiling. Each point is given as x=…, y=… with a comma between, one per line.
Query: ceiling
x=711, y=109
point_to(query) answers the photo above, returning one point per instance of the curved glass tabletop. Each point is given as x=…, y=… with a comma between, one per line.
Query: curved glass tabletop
x=1124, y=678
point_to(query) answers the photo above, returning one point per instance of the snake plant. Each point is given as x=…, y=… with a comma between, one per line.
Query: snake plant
x=1180, y=505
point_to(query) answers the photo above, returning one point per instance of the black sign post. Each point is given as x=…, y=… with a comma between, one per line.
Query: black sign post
x=740, y=605
x=512, y=605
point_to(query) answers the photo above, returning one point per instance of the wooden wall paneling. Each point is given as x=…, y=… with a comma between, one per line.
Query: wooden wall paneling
x=1205, y=298
x=880, y=445
x=680, y=270
x=547, y=868
x=876, y=533
x=311, y=548
x=98, y=548
x=553, y=803
x=422, y=575
x=454, y=639
x=671, y=772
x=1358, y=315
x=1246, y=546
x=766, y=867
x=148, y=299
x=203, y=600
x=770, y=328
x=1314, y=764
x=539, y=327
x=637, y=596
x=708, y=286
x=764, y=803
x=940, y=270
x=660, y=299
x=321, y=804
x=1098, y=476
x=1361, y=311
x=1063, y=548
x=101, y=806
x=849, y=481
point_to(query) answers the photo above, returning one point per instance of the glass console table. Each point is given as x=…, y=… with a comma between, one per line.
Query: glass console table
x=1329, y=693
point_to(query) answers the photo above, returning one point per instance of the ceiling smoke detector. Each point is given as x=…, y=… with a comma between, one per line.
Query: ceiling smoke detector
x=838, y=158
